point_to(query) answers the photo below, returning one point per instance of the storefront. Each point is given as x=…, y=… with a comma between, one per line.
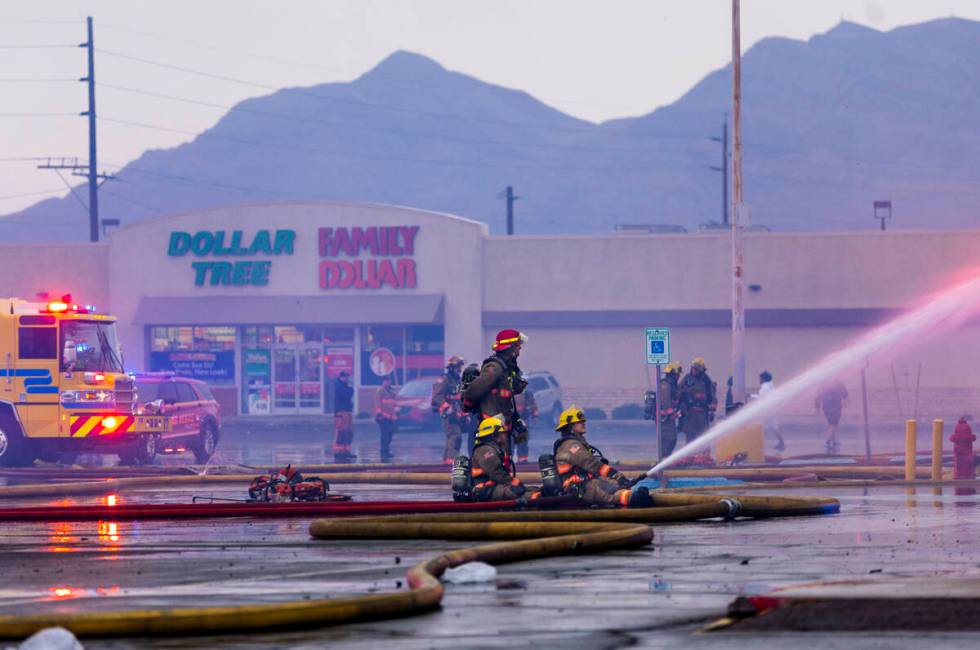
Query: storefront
x=269, y=304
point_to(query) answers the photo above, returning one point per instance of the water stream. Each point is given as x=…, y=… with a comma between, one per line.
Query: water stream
x=940, y=313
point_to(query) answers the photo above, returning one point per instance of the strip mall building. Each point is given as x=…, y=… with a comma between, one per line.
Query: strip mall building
x=269, y=302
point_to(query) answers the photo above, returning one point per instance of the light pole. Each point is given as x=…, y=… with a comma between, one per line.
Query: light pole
x=739, y=213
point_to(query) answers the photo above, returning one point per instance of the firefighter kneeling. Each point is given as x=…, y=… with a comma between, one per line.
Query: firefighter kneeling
x=585, y=473
x=492, y=476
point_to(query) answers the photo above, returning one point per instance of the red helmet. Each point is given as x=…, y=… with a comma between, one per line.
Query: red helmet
x=506, y=339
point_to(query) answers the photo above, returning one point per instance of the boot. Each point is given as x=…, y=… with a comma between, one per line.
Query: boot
x=640, y=498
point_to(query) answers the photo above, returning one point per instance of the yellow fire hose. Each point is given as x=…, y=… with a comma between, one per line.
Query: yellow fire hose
x=529, y=535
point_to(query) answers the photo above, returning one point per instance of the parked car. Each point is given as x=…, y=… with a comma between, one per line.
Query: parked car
x=547, y=395
x=194, y=417
x=415, y=404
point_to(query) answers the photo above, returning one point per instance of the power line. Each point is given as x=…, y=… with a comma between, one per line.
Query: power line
x=50, y=46
x=33, y=80
x=306, y=64
x=398, y=132
x=26, y=194
x=355, y=154
x=357, y=102
x=38, y=114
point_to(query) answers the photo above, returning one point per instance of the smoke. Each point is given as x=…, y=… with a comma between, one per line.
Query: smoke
x=940, y=313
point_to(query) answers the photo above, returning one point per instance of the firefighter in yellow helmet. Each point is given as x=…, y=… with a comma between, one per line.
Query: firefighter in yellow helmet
x=668, y=403
x=585, y=473
x=494, y=475
x=697, y=400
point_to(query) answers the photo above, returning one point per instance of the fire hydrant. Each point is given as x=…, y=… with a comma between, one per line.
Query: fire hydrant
x=964, y=466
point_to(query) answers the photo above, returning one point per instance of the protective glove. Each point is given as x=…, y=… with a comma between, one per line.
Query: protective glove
x=519, y=489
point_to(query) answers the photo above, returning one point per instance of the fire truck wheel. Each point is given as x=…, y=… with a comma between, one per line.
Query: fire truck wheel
x=13, y=446
x=143, y=451
x=206, y=443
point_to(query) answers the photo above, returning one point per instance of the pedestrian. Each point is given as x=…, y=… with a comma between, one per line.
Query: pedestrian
x=831, y=401
x=493, y=392
x=584, y=471
x=771, y=424
x=386, y=415
x=446, y=401
x=343, y=418
x=669, y=397
x=494, y=474
x=697, y=400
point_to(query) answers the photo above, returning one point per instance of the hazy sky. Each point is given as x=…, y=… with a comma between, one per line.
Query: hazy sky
x=595, y=59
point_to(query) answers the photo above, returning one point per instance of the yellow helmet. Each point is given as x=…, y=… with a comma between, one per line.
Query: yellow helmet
x=673, y=366
x=570, y=416
x=699, y=363
x=490, y=426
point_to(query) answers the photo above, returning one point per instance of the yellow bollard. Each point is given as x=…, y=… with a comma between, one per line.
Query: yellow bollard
x=937, y=450
x=910, y=430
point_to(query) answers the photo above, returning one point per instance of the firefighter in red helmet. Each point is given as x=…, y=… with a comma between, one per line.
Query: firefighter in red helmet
x=500, y=379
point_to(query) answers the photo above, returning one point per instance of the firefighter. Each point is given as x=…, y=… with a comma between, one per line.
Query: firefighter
x=500, y=380
x=697, y=400
x=527, y=407
x=386, y=415
x=584, y=471
x=343, y=418
x=669, y=401
x=446, y=402
x=494, y=475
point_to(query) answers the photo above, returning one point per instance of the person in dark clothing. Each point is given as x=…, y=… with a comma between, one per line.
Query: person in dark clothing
x=698, y=401
x=528, y=410
x=343, y=418
x=446, y=402
x=831, y=401
x=386, y=415
x=669, y=401
x=492, y=392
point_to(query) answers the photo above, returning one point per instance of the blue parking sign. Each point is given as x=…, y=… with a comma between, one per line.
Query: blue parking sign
x=658, y=345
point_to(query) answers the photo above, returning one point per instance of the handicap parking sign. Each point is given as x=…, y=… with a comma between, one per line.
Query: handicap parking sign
x=658, y=345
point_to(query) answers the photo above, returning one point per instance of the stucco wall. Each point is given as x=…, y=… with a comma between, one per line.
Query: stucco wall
x=666, y=273
x=78, y=269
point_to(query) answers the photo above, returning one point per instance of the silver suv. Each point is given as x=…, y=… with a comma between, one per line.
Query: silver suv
x=547, y=395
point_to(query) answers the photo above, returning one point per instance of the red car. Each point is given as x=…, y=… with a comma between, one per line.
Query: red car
x=195, y=417
x=414, y=402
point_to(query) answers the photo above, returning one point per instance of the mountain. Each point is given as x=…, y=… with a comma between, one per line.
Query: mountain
x=830, y=125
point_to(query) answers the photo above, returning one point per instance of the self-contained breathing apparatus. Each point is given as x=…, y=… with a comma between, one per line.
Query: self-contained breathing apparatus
x=462, y=479
x=550, y=481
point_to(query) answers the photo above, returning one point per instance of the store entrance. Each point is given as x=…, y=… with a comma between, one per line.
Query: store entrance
x=297, y=379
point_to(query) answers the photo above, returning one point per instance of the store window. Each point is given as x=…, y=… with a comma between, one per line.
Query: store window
x=205, y=353
x=382, y=355
x=424, y=351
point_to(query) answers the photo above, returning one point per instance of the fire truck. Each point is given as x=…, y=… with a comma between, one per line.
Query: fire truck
x=63, y=387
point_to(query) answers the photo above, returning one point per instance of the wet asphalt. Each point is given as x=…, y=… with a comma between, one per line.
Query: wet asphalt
x=657, y=596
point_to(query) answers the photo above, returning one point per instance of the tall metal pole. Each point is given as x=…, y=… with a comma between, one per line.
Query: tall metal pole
x=738, y=214
x=510, y=210
x=93, y=161
x=724, y=172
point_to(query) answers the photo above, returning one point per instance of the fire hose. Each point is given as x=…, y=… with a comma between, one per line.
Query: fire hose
x=525, y=535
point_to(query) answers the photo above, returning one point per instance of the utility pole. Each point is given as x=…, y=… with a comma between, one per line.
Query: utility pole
x=723, y=169
x=91, y=170
x=93, y=161
x=509, y=195
x=738, y=215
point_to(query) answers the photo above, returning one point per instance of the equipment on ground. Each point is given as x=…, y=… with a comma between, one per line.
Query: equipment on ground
x=462, y=479
x=286, y=485
x=550, y=481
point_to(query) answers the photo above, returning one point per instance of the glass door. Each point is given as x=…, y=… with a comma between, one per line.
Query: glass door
x=309, y=359
x=297, y=378
x=284, y=378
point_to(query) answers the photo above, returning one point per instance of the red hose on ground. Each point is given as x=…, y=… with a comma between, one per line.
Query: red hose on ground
x=256, y=510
